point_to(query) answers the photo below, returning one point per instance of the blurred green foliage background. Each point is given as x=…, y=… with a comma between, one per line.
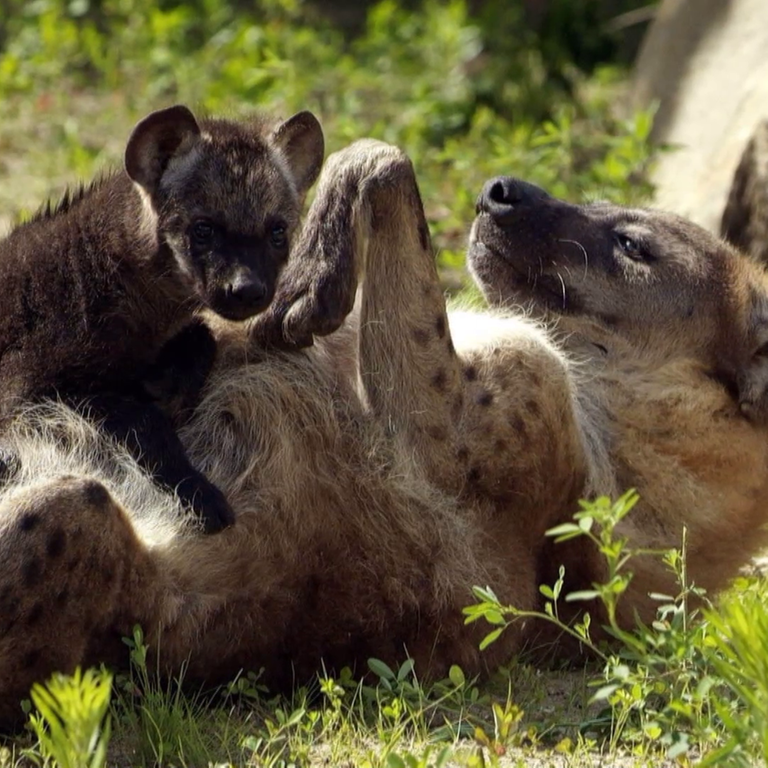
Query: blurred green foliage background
x=469, y=89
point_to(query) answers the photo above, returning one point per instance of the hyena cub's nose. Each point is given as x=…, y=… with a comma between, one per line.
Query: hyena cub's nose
x=500, y=197
x=246, y=294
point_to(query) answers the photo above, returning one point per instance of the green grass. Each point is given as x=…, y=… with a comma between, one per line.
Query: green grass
x=689, y=689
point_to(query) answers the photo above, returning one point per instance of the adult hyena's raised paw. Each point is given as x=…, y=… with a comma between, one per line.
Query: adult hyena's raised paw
x=317, y=289
x=361, y=187
x=314, y=301
x=322, y=306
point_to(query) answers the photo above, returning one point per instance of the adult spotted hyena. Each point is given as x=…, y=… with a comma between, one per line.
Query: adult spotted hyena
x=410, y=453
x=667, y=327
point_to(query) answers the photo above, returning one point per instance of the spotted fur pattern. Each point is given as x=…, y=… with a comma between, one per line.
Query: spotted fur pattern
x=407, y=455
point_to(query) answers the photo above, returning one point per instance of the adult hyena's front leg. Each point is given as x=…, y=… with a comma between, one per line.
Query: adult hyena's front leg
x=368, y=221
x=408, y=364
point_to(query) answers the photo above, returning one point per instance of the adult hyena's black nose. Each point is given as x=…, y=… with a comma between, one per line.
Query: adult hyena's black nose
x=502, y=195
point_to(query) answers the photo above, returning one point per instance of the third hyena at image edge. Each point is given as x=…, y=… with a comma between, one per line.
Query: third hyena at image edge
x=411, y=452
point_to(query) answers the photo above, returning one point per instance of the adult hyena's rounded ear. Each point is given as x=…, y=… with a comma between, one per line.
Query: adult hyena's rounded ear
x=156, y=139
x=300, y=141
x=752, y=379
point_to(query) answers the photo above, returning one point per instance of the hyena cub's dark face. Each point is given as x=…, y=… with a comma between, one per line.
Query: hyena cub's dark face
x=226, y=198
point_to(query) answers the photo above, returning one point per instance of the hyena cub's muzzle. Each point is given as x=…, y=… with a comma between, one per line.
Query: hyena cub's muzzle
x=236, y=272
x=244, y=294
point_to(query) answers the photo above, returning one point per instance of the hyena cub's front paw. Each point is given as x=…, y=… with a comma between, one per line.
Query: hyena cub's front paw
x=206, y=502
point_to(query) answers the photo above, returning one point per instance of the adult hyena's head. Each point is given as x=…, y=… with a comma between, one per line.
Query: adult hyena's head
x=662, y=285
x=226, y=199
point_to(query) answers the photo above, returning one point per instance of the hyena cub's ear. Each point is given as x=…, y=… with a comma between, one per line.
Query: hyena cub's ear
x=300, y=141
x=155, y=140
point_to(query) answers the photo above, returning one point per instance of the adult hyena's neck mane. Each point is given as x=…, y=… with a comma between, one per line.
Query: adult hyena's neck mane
x=674, y=433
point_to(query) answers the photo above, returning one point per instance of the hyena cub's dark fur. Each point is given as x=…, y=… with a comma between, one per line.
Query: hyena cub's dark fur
x=93, y=289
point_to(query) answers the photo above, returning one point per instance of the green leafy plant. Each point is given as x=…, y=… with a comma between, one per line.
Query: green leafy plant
x=71, y=722
x=659, y=682
x=739, y=640
x=156, y=715
x=424, y=760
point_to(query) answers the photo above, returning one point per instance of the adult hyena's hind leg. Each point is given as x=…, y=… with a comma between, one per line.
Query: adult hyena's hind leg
x=368, y=219
x=73, y=581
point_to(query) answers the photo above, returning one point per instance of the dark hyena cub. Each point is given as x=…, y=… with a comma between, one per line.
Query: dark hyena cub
x=93, y=289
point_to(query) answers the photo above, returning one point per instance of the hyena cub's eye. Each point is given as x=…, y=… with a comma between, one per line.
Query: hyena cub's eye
x=278, y=236
x=203, y=232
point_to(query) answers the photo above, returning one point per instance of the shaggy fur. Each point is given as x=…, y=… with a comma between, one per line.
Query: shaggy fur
x=409, y=454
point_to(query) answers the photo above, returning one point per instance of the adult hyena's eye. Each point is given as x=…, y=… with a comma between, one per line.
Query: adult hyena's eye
x=631, y=248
